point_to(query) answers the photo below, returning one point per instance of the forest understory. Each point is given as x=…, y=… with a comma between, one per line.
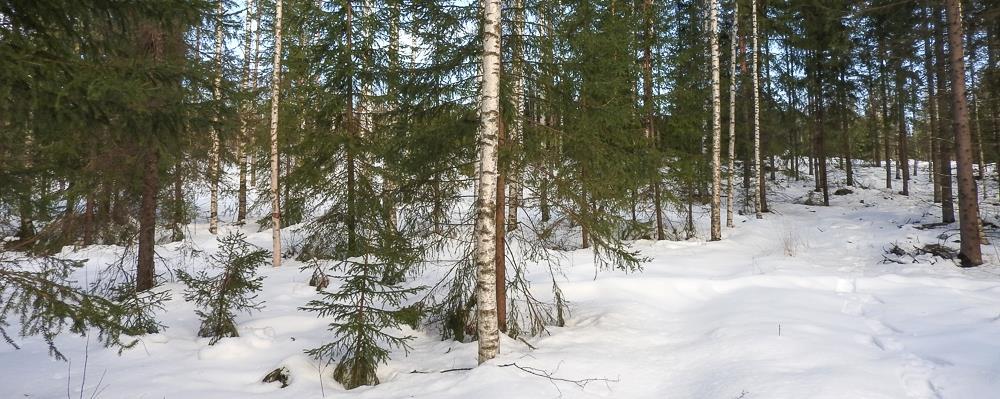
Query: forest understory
x=854, y=300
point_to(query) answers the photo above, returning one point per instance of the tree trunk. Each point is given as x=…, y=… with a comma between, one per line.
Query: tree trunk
x=944, y=142
x=758, y=172
x=716, y=228
x=501, y=244
x=145, y=269
x=932, y=128
x=213, y=157
x=485, y=236
x=275, y=103
x=517, y=130
x=901, y=110
x=730, y=196
x=971, y=252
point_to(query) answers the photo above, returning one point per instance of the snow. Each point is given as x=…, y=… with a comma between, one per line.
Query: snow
x=797, y=305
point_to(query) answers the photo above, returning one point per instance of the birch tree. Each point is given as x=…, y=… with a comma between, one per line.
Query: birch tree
x=248, y=83
x=275, y=99
x=485, y=228
x=213, y=157
x=713, y=23
x=732, y=114
x=758, y=173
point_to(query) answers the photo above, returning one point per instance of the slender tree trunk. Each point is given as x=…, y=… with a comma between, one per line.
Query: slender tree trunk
x=517, y=129
x=275, y=105
x=485, y=251
x=971, y=252
x=932, y=127
x=145, y=270
x=758, y=172
x=716, y=228
x=179, y=207
x=730, y=194
x=213, y=157
x=901, y=110
x=944, y=142
x=241, y=142
x=649, y=109
x=501, y=244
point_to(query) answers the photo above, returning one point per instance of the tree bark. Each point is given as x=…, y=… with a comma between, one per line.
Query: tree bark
x=275, y=103
x=145, y=269
x=944, y=142
x=213, y=157
x=485, y=250
x=730, y=196
x=716, y=207
x=757, y=170
x=971, y=251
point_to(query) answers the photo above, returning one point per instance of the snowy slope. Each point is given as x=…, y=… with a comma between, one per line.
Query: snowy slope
x=798, y=305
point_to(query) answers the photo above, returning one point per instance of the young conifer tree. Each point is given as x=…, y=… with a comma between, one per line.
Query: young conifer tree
x=233, y=290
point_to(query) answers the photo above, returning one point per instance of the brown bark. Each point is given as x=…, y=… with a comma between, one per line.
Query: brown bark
x=145, y=270
x=970, y=252
x=944, y=142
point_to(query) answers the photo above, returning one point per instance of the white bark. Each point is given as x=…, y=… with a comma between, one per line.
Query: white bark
x=275, y=100
x=757, y=170
x=730, y=198
x=485, y=229
x=213, y=158
x=713, y=15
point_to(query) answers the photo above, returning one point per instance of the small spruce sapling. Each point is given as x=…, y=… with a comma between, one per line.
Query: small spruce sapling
x=233, y=290
x=363, y=308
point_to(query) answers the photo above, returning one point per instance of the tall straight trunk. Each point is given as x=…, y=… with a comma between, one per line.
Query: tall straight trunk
x=758, y=172
x=884, y=126
x=245, y=84
x=730, y=194
x=845, y=129
x=485, y=249
x=275, y=103
x=821, y=132
x=213, y=157
x=88, y=220
x=145, y=269
x=901, y=110
x=974, y=125
x=944, y=147
x=501, y=243
x=932, y=128
x=968, y=200
x=178, y=211
x=716, y=228
x=648, y=110
x=517, y=128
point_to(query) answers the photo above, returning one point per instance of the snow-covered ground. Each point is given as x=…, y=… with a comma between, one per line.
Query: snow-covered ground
x=797, y=305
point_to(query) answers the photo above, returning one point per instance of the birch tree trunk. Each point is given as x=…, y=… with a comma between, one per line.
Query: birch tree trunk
x=968, y=205
x=485, y=228
x=716, y=233
x=757, y=171
x=730, y=197
x=213, y=157
x=275, y=101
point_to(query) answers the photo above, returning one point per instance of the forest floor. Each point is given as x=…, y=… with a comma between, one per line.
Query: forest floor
x=810, y=302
